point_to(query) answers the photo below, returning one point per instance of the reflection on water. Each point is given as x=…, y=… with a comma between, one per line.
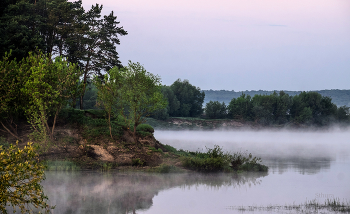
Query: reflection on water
x=300, y=165
x=305, y=165
x=92, y=192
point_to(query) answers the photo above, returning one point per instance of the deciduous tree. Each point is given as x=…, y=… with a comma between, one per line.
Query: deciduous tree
x=20, y=177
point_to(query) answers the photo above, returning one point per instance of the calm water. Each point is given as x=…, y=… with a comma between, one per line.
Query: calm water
x=303, y=166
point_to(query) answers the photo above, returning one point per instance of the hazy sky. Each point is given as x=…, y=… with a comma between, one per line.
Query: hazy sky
x=238, y=44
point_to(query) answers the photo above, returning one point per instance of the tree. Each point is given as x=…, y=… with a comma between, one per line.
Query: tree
x=241, y=108
x=20, y=177
x=173, y=104
x=10, y=96
x=140, y=95
x=108, y=94
x=96, y=51
x=190, y=97
x=19, y=28
x=47, y=86
x=215, y=110
x=60, y=27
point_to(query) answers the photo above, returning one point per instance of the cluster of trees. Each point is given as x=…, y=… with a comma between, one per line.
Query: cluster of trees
x=184, y=100
x=36, y=88
x=61, y=28
x=131, y=92
x=280, y=108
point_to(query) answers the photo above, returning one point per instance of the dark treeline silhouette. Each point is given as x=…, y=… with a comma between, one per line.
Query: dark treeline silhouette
x=339, y=97
x=61, y=28
x=280, y=108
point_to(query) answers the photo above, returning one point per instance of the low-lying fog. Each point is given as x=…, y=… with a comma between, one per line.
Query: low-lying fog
x=308, y=165
x=270, y=144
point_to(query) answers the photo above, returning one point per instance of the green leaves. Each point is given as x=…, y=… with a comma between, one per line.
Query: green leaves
x=20, y=177
x=37, y=86
x=131, y=92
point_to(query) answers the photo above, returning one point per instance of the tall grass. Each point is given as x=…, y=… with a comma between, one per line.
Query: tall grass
x=333, y=205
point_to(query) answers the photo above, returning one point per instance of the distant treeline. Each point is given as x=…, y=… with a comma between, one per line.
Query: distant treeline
x=184, y=100
x=280, y=108
x=339, y=97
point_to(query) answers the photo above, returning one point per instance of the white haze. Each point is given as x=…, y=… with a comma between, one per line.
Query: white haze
x=280, y=144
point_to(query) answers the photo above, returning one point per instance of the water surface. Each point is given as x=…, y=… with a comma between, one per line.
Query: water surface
x=303, y=166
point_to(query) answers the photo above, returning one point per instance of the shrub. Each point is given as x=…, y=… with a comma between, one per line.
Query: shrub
x=145, y=128
x=215, y=160
x=137, y=162
x=20, y=177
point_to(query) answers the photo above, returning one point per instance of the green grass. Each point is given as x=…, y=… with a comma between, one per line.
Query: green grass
x=61, y=166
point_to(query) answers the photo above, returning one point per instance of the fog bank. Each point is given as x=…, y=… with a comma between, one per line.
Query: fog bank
x=279, y=144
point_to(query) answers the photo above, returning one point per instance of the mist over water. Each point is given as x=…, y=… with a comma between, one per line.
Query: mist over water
x=268, y=144
x=303, y=165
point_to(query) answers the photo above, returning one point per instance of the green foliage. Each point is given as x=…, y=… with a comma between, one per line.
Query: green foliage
x=93, y=128
x=109, y=93
x=215, y=160
x=20, y=28
x=339, y=97
x=137, y=162
x=343, y=114
x=240, y=108
x=20, y=177
x=47, y=87
x=190, y=97
x=215, y=110
x=145, y=128
x=172, y=107
x=169, y=149
x=4, y=143
x=61, y=166
x=140, y=95
x=306, y=108
x=246, y=162
x=39, y=87
x=11, y=100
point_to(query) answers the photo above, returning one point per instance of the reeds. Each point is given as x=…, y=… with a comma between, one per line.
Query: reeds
x=333, y=205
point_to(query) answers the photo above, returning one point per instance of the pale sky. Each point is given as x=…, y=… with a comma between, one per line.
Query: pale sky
x=238, y=44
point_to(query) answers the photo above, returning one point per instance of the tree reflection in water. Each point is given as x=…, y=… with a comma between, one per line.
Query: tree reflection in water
x=94, y=192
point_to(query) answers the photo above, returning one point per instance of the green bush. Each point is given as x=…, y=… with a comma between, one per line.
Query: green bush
x=215, y=160
x=137, y=162
x=144, y=128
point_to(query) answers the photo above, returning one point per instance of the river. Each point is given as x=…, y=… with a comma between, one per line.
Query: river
x=309, y=165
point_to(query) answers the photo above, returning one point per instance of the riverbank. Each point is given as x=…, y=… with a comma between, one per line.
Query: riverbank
x=82, y=142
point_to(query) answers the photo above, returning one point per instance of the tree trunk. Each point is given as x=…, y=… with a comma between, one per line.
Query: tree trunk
x=84, y=87
x=109, y=123
x=54, y=123
x=10, y=131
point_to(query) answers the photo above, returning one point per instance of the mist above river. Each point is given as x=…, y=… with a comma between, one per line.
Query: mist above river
x=268, y=144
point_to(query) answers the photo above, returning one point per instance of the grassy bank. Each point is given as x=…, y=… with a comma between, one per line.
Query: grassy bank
x=82, y=142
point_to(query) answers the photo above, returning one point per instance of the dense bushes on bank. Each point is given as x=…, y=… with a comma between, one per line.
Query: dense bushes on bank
x=216, y=160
